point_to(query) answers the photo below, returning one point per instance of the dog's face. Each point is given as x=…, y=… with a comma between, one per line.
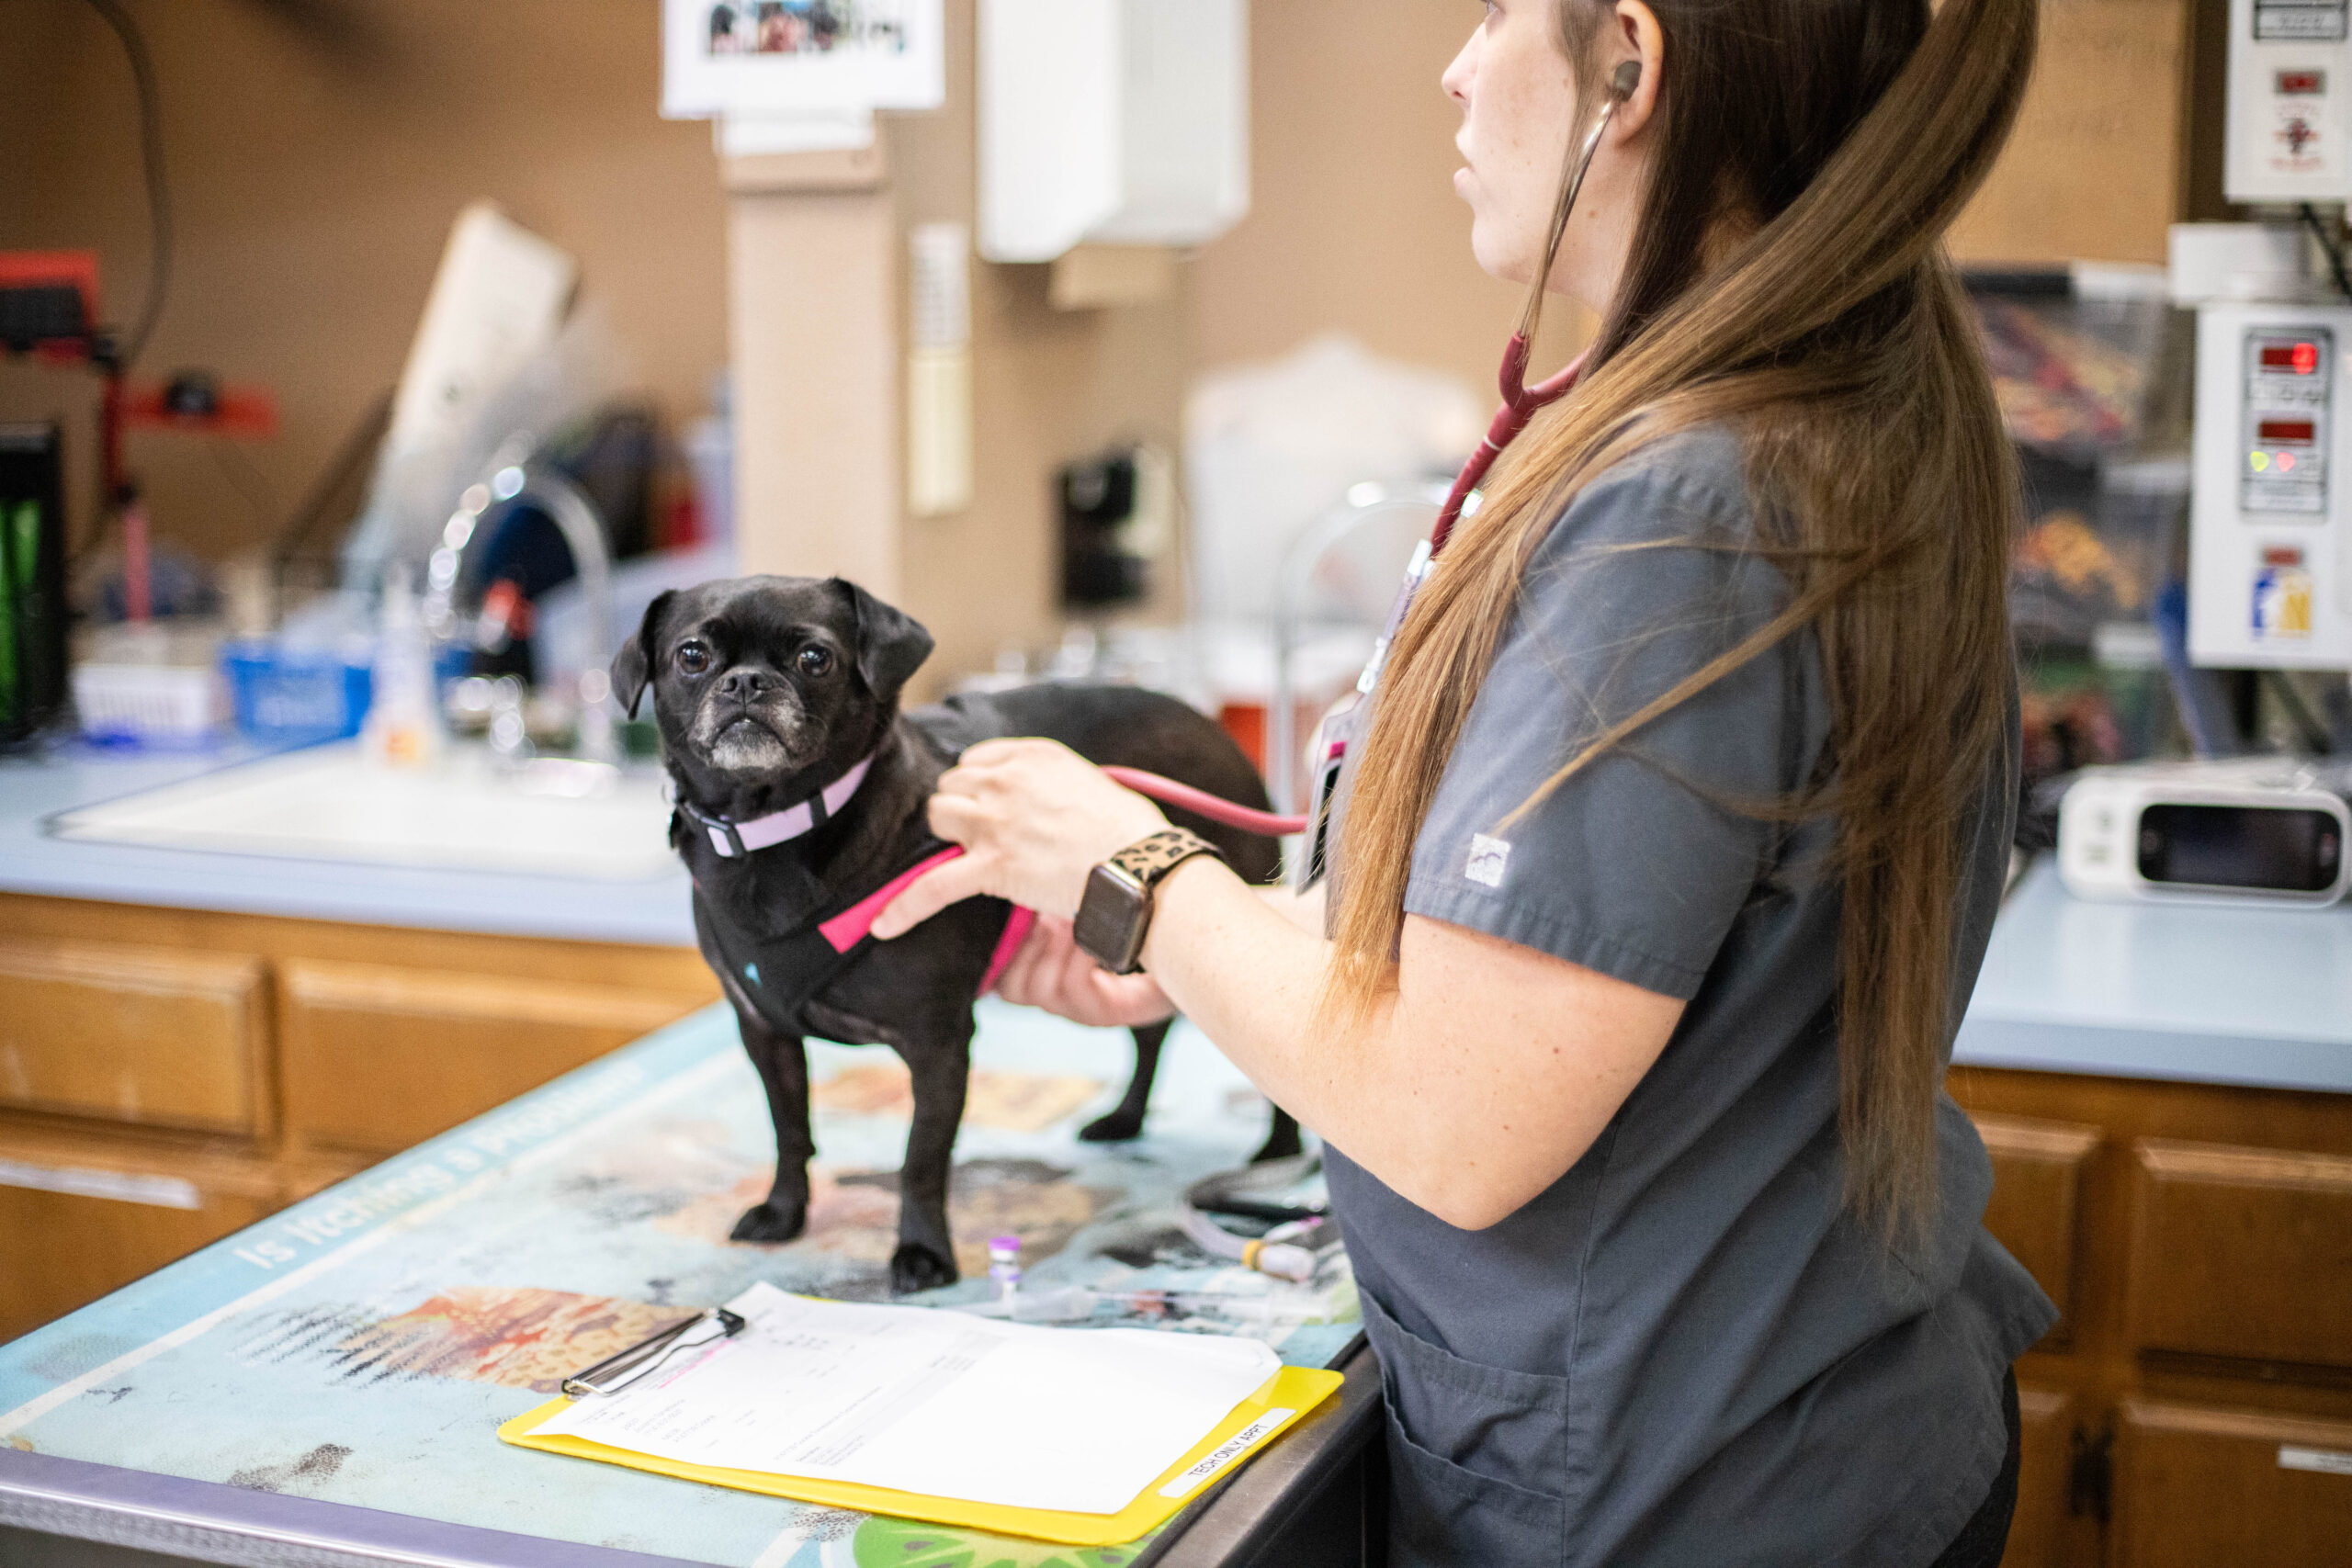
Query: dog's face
x=761, y=679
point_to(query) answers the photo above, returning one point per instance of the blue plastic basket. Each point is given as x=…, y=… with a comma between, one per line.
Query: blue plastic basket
x=295, y=696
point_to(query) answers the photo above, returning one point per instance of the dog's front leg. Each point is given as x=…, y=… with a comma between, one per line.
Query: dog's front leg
x=783, y=1065
x=941, y=1067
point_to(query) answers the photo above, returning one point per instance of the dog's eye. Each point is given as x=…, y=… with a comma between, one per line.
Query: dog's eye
x=693, y=657
x=816, y=660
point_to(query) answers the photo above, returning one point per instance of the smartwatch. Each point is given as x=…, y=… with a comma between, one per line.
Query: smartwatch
x=1117, y=911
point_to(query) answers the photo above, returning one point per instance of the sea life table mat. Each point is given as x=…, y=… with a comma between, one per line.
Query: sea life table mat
x=364, y=1346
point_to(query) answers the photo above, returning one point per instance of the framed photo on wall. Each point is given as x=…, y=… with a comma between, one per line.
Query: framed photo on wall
x=800, y=57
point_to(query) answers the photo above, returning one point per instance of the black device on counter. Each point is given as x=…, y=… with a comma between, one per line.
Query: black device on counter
x=32, y=577
x=1098, y=501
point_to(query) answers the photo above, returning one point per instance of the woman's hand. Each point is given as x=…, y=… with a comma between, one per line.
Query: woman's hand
x=1052, y=972
x=1033, y=817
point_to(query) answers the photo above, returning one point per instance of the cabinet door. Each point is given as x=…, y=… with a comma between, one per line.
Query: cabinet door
x=2197, y=1487
x=134, y=1034
x=2039, y=1529
x=378, y=1058
x=2241, y=1252
x=2037, y=1203
x=80, y=1219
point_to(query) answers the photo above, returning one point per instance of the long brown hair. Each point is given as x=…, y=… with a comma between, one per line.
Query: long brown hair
x=1787, y=277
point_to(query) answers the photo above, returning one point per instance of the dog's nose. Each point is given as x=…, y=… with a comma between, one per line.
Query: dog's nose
x=743, y=684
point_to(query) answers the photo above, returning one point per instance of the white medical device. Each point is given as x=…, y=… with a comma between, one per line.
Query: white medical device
x=2253, y=830
x=2290, y=131
x=2270, y=518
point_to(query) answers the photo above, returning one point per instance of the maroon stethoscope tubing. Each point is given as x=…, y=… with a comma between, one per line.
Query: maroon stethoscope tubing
x=1521, y=405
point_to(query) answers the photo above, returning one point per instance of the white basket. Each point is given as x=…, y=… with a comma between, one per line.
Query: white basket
x=150, y=701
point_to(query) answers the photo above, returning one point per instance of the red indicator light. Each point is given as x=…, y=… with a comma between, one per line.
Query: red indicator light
x=2286, y=462
x=2303, y=358
x=2302, y=430
x=2296, y=83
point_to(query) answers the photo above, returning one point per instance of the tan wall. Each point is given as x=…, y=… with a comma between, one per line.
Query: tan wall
x=2094, y=170
x=315, y=180
x=1047, y=386
x=1354, y=224
x=315, y=177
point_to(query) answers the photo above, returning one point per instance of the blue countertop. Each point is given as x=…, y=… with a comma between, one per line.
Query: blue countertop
x=33, y=789
x=2231, y=996
x=2237, y=996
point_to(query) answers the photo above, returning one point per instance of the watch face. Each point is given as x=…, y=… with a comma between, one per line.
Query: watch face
x=1112, y=918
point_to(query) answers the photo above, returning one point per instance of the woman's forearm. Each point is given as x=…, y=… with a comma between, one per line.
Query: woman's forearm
x=1468, y=1089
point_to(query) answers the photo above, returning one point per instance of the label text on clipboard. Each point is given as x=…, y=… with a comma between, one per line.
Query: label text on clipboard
x=1225, y=1453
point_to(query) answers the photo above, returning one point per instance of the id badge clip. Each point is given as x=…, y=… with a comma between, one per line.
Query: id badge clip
x=1341, y=726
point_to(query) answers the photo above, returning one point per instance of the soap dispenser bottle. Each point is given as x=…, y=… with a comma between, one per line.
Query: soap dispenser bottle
x=403, y=729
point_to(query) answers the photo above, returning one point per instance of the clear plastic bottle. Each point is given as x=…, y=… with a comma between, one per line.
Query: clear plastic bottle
x=402, y=727
x=1005, y=1267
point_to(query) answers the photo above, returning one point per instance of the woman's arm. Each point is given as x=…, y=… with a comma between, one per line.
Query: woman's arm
x=1471, y=1089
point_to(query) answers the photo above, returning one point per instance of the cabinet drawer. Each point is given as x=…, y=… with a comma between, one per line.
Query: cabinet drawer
x=2037, y=1203
x=134, y=1034
x=2241, y=1252
x=76, y=1222
x=376, y=1058
x=2196, y=1486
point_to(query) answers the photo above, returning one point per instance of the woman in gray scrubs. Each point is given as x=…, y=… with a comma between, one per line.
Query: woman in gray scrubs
x=1666, y=860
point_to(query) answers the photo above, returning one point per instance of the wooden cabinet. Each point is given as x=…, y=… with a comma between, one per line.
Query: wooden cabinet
x=168, y=1076
x=2196, y=1486
x=134, y=1034
x=2243, y=1253
x=2037, y=1202
x=378, y=1058
x=2037, y=1530
x=2199, y=1240
x=83, y=1215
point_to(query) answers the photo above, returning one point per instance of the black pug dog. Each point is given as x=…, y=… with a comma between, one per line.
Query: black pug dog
x=800, y=792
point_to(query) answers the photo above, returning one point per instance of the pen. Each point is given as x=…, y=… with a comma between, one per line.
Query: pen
x=615, y=1373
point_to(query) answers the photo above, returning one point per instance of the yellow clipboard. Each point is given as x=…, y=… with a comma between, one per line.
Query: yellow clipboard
x=1257, y=1420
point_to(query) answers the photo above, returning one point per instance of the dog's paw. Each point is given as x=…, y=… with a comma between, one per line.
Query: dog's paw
x=769, y=1222
x=1282, y=1141
x=1116, y=1128
x=915, y=1266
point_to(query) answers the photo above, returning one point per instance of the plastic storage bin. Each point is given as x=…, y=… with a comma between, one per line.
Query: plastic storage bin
x=293, y=696
x=166, y=704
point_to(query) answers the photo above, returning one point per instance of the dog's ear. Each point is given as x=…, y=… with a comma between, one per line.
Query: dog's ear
x=891, y=644
x=633, y=665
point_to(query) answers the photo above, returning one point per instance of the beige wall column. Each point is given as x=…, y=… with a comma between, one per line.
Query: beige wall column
x=813, y=326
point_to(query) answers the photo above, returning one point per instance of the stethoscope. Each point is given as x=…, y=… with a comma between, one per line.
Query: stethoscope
x=1521, y=402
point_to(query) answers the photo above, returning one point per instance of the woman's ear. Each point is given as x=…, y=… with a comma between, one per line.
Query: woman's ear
x=1635, y=37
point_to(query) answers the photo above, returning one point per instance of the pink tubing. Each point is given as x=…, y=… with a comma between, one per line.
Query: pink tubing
x=1168, y=792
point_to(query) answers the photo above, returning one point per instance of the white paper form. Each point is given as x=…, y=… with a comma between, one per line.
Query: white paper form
x=938, y=1403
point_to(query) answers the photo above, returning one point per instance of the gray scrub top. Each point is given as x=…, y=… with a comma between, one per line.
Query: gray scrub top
x=1685, y=1351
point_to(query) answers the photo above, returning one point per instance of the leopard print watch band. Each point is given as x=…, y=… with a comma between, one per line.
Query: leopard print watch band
x=1148, y=859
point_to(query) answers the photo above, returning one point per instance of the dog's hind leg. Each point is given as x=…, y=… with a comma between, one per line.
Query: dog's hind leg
x=926, y=1255
x=1126, y=1120
x=783, y=1064
x=1281, y=1138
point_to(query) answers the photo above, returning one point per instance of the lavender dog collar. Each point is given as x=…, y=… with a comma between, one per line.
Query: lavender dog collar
x=734, y=840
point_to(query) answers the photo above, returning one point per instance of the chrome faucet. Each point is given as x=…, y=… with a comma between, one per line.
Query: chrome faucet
x=513, y=477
